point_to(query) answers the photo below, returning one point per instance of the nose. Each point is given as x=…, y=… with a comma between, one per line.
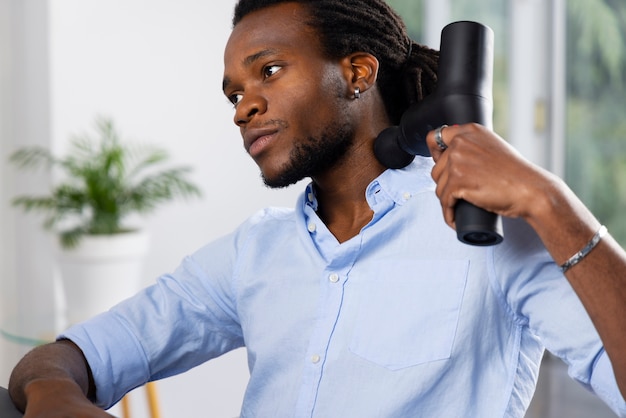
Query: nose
x=250, y=105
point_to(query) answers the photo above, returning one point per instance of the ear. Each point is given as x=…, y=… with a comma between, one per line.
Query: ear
x=360, y=70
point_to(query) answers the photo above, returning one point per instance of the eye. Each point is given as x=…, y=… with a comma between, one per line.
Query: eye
x=234, y=99
x=270, y=70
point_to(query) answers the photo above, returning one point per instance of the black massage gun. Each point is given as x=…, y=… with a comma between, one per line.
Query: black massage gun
x=462, y=95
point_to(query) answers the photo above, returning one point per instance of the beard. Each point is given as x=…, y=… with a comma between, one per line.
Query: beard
x=314, y=155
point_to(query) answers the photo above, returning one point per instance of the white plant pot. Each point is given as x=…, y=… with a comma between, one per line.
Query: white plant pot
x=100, y=272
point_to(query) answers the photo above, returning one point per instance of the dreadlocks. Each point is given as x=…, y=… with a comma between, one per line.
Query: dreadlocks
x=408, y=70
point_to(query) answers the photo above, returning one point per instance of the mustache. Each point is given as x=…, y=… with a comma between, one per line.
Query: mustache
x=272, y=123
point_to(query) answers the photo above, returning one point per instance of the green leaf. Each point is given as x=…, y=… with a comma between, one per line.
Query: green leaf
x=105, y=180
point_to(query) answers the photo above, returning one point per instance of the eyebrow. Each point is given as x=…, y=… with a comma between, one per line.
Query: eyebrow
x=249, y=60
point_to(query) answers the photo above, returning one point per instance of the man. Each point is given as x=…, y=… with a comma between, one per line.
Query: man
x=361, y=302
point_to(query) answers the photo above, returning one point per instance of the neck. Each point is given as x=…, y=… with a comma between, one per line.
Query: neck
x=340, y=190
x=341, y=194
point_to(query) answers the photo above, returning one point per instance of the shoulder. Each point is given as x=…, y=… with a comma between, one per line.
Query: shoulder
x=270, y=219
x=265, y=224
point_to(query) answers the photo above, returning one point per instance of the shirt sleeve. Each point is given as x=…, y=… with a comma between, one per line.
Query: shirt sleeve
x=542, y=300
x=183, y=320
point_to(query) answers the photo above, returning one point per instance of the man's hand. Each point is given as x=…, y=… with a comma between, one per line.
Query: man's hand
x=59, y=398
x=54, y=380
x=480, y=167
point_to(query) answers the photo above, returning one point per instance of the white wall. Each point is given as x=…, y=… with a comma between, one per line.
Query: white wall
x=7, y=289
x=155, y=67
x=25, y=265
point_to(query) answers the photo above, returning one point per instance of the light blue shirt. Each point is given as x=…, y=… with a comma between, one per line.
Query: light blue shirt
x=402, y=320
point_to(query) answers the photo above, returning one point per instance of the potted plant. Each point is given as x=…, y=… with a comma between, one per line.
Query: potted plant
x=102, y=182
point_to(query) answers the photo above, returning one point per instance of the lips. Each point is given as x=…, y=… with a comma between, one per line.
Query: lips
x=255, y=140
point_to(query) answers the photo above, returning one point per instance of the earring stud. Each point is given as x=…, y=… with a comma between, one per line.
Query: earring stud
x=357, y=92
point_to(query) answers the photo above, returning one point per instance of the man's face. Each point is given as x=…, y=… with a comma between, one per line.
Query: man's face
x=290, y=101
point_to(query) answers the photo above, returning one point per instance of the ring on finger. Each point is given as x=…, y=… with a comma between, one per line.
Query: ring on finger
x=439, y=139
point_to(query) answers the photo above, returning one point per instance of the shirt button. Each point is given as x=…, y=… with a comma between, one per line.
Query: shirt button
x=406, y=196
x=310, y=196
x=315, y=358
x=334, y=278
x=312, y=227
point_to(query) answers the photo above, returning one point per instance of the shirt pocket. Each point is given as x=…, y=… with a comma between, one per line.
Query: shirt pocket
x=410, y=317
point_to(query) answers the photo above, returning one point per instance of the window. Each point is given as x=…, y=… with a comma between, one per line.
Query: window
x=595, y=159
x=594, y=74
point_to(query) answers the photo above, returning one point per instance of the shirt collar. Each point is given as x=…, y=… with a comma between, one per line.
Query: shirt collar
x=398, y=185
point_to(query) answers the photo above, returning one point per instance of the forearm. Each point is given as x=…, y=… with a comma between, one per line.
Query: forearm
x=58, y=366
x=566, y=225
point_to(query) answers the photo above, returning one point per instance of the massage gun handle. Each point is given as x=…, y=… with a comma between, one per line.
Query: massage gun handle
x=464, y=90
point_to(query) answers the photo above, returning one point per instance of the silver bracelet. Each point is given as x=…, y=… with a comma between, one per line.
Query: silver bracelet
x=575, y=259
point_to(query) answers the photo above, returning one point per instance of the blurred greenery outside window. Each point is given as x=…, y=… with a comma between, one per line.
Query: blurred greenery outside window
x=595, y=125
x=596, y=108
